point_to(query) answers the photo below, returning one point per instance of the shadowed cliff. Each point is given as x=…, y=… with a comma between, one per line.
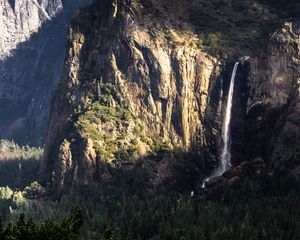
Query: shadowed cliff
x=29, y=77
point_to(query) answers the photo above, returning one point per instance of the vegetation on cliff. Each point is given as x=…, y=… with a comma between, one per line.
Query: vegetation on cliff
x=152, y=198
x=228, y=28
x=117, y=136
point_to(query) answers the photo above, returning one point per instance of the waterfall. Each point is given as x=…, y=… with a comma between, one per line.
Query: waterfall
x=225, y=151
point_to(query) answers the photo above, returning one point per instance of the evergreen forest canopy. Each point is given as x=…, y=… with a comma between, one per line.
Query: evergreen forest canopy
x=126, y=206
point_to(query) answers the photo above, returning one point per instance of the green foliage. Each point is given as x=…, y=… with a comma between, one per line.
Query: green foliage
x=34, y=190
x=10, y=200
x=19, y=199
x=162, y=217
x=114, y=131
x=127, y=207
x=110, y=234
x=106, y=89
x=125, y=153
x=238, y=28
x=6, y=192
x=212, y=42
x=102, y=119
x=18, y=165
x=9, y=150
x=113, y=120
x=25, y=228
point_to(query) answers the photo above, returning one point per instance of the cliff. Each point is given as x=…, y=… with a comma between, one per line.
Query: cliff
x=144, y=77
x=131, y=91
x=32, y=49
x=273, y=102
x=20, y=19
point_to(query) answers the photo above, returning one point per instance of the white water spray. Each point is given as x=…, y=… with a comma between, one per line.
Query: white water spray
x=225, y=152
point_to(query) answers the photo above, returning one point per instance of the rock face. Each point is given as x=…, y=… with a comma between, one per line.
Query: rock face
x=156, y=73
x=32, y=43
x=20, y=19
x=271, y=106
x=136, y=81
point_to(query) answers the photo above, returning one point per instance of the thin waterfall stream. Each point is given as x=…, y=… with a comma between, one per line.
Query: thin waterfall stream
x=225, y=156
x=225, y=153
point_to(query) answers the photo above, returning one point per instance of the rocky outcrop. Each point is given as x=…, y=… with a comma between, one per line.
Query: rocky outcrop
x=130, y=90
x=155, y=73
x=273, y=76
x=271, y=117
x=285, y=146
x=32, y=43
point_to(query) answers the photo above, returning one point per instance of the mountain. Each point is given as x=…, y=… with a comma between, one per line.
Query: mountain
x=20, y=19
x=145, y=77
x=268, y=124
x=161, y=119
x=32, y=43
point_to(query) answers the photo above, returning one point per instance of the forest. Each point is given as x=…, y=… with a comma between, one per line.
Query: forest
x=128, y=207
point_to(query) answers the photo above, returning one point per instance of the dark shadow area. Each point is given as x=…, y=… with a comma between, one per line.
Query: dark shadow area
x=12, y=3
x=228, y=28
x=252, y=131
x=168, y=171
x=213, y=122
x=18, y=173
x=19, y=165
x=287, y=9
x=233, y=28
x=30, y=77
x=127, y=207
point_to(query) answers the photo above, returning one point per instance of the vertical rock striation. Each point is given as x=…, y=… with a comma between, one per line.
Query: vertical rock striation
x=137, y=81
x=159, y=75
x=271, y=120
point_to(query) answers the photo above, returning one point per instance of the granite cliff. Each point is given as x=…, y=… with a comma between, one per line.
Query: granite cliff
x=131, y=91
x=145, y=77
x=271, y=117
x=20, y=19
x=32, y=43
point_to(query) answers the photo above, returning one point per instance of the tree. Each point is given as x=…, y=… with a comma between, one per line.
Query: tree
x=26, y=229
